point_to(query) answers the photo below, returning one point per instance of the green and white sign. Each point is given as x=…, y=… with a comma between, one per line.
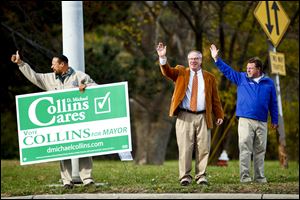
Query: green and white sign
x=59, y=125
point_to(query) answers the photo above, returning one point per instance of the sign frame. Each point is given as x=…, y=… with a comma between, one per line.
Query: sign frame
x=40, y=124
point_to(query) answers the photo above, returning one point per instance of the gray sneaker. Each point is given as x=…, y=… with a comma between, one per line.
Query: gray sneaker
x=185, y=181
x=202, y=181
x=68, y=186
x=263, y=180
x=90, y=184
x=246, y=180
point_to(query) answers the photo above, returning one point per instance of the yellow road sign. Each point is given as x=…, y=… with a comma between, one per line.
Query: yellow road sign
x=277, y=63
x=272, y=19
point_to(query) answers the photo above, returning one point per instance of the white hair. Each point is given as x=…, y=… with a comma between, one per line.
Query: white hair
x=195, y=51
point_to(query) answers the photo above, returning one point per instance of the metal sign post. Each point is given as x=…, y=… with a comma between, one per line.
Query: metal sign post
x=283, y=159
x=274, y=21
x=73, y=48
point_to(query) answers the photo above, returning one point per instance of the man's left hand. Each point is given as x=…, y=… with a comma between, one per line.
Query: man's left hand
x=219, y=121
x=274, y=126
x=82, y=87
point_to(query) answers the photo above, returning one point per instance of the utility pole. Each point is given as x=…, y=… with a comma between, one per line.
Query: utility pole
x=73, y=48
x=283, y=158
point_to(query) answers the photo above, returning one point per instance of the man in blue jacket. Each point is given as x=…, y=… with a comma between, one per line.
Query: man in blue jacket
x=256, y=95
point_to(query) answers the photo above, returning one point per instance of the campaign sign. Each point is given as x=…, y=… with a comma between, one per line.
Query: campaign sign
x=64, y=124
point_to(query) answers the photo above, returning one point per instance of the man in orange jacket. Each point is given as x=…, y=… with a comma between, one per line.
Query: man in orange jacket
x=194, y=100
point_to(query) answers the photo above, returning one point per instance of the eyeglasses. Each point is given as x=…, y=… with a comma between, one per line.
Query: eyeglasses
x=194, y=58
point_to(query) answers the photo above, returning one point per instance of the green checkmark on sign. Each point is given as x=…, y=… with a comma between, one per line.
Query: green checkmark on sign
x=103, y=104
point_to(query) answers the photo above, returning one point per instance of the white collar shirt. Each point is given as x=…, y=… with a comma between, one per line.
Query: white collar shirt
x=185, y=104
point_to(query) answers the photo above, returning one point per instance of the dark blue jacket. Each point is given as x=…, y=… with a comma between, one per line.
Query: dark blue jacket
x=254, y=100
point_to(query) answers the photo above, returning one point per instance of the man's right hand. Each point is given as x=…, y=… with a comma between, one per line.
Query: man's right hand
x=214, y=52
x=161, y=50
x=15, y=58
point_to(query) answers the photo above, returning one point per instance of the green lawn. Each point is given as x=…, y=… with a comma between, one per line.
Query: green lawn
x=126, y=177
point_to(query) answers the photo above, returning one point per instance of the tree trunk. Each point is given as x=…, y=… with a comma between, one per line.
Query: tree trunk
x=140, y=125
x=152, y=126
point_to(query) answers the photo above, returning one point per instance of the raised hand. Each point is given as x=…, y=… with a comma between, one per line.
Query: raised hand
x=161, y=50
x=15, y=58
x=214, y=52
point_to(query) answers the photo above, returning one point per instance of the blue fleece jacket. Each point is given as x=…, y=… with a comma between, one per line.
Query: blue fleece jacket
x=254, y=100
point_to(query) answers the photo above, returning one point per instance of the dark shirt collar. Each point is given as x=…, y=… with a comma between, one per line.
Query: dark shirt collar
x=62, y=77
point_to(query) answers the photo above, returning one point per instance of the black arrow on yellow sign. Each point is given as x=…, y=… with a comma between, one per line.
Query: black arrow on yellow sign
x=276, y=8
x=273, y=19
x=269, y=25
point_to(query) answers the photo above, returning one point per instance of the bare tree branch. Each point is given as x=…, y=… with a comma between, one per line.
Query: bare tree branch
x=237, y=30
x=185, y=15
x=45, y=51
x=246, y=45
x=162, y=25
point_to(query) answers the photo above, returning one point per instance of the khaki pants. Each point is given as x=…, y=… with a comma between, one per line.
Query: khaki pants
x=85, y=170
x=192, y=133
x=252, y=140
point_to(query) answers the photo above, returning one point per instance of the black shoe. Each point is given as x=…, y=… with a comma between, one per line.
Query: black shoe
x=184, y=183
x=68, y=186
x=90, y=184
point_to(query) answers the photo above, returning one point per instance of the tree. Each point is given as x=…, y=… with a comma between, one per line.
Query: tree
x=120, y=40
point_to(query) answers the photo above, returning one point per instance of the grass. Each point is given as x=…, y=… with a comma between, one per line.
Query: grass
x=126, y=177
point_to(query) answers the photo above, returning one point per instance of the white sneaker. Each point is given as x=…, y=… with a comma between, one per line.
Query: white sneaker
x=263, y=180
x=202, y=181
x=246, y=180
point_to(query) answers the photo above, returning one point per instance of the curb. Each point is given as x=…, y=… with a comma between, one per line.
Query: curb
x=160, y=196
